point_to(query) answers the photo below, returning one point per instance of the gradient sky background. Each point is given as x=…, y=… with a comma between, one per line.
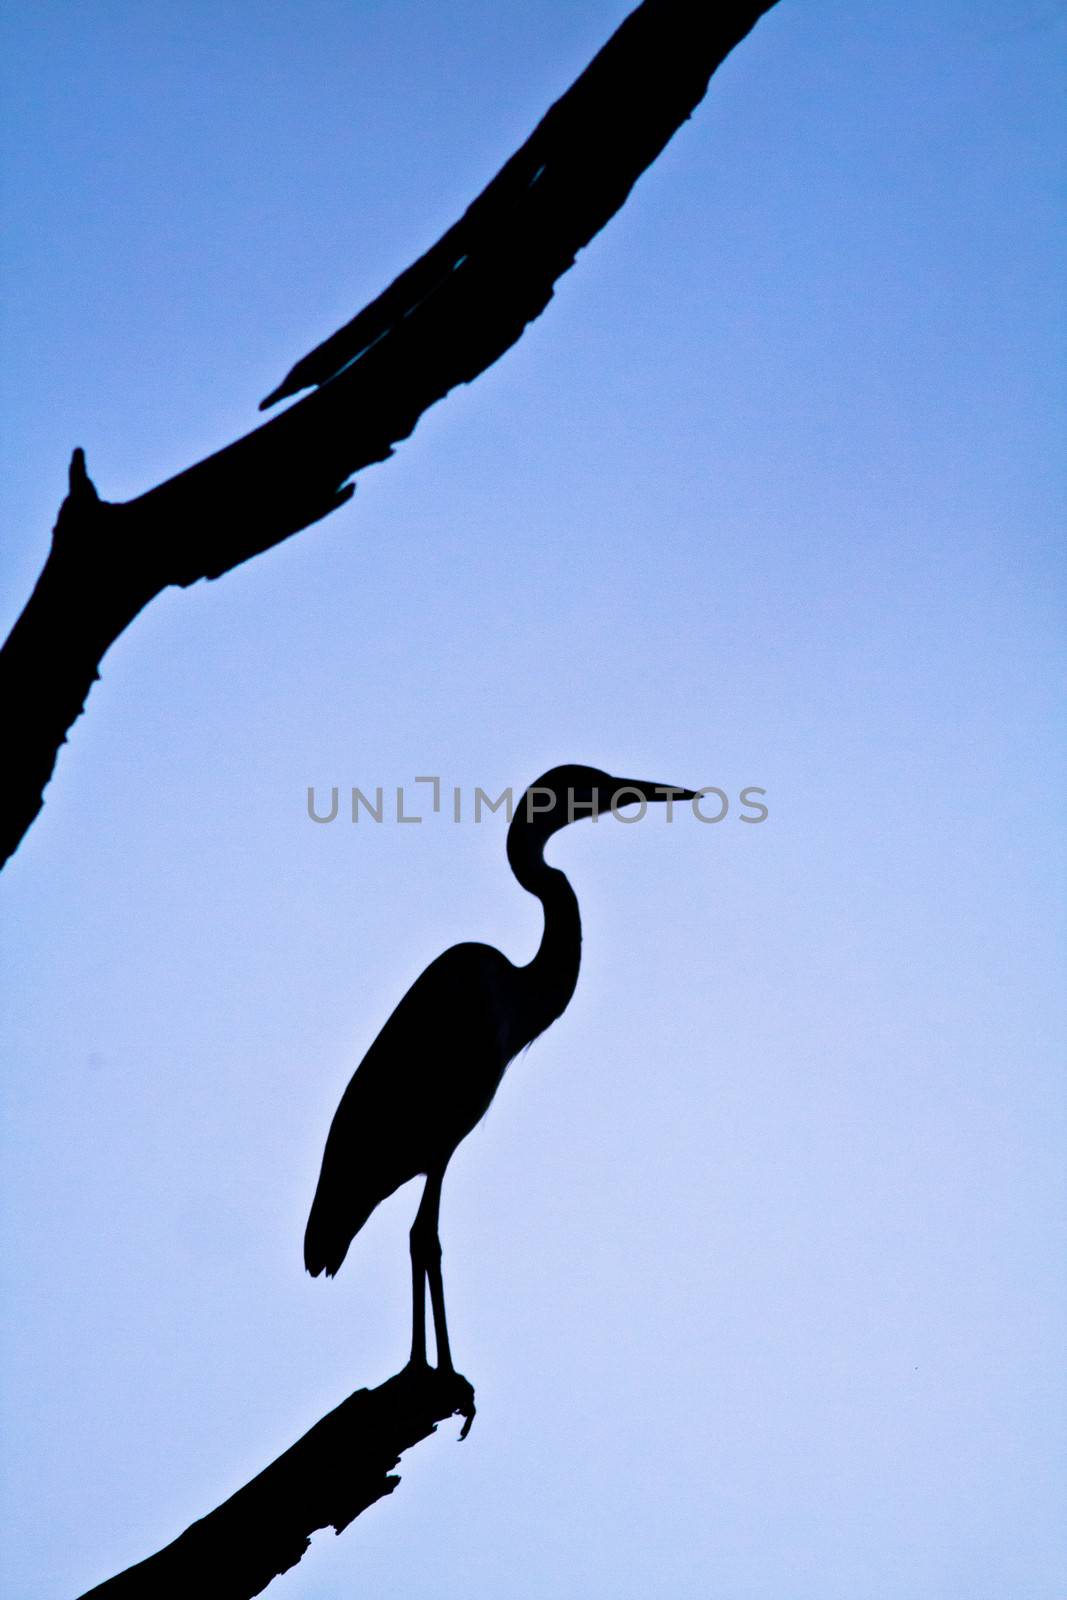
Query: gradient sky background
x=756, y=1262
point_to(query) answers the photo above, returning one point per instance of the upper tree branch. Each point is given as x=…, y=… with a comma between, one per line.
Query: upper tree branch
x=442, y=322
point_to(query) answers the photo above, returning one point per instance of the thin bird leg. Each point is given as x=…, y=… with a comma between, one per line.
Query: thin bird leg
x=437, y=1301
x=418, y=1289
x=429, y=1252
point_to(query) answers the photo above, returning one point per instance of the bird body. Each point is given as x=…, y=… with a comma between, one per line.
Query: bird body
x=426, y=1081
x=432, y=1072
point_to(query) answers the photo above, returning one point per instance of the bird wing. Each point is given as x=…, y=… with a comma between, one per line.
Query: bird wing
x=426, y=1080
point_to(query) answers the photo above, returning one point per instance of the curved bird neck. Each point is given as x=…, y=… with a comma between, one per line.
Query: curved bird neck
x=551, y=976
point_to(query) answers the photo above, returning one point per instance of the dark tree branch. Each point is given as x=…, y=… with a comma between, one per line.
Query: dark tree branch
x=338, y=1469
x=444, y=320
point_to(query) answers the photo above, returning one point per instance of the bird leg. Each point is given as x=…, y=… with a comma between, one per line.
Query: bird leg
x=426, y=1265
x=437, y=1301
x=418, y=1303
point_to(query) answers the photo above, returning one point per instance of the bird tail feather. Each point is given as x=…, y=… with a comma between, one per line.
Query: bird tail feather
x=326, y=1239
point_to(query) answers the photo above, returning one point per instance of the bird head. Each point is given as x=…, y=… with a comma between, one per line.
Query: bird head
x=571, y=793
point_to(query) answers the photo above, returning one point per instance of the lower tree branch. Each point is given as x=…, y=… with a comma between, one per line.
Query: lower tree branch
x=342, y=1466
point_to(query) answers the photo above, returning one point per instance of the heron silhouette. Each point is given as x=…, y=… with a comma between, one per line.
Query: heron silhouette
x=431, y=1073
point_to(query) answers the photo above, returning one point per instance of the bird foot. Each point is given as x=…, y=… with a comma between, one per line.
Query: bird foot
x=449, y=1385
x=465, y=1406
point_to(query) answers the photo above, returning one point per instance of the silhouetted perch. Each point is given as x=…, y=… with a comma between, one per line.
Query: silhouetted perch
x=442, y=322
x=338, y=1469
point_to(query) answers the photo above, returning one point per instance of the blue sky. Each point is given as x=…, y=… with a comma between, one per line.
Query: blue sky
x=756, y=1262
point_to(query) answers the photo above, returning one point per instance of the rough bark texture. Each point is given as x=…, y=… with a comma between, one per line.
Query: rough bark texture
x=338, y=1469
x=442, y=322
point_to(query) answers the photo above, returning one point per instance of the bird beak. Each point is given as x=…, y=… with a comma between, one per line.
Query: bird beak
x=634, y=789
